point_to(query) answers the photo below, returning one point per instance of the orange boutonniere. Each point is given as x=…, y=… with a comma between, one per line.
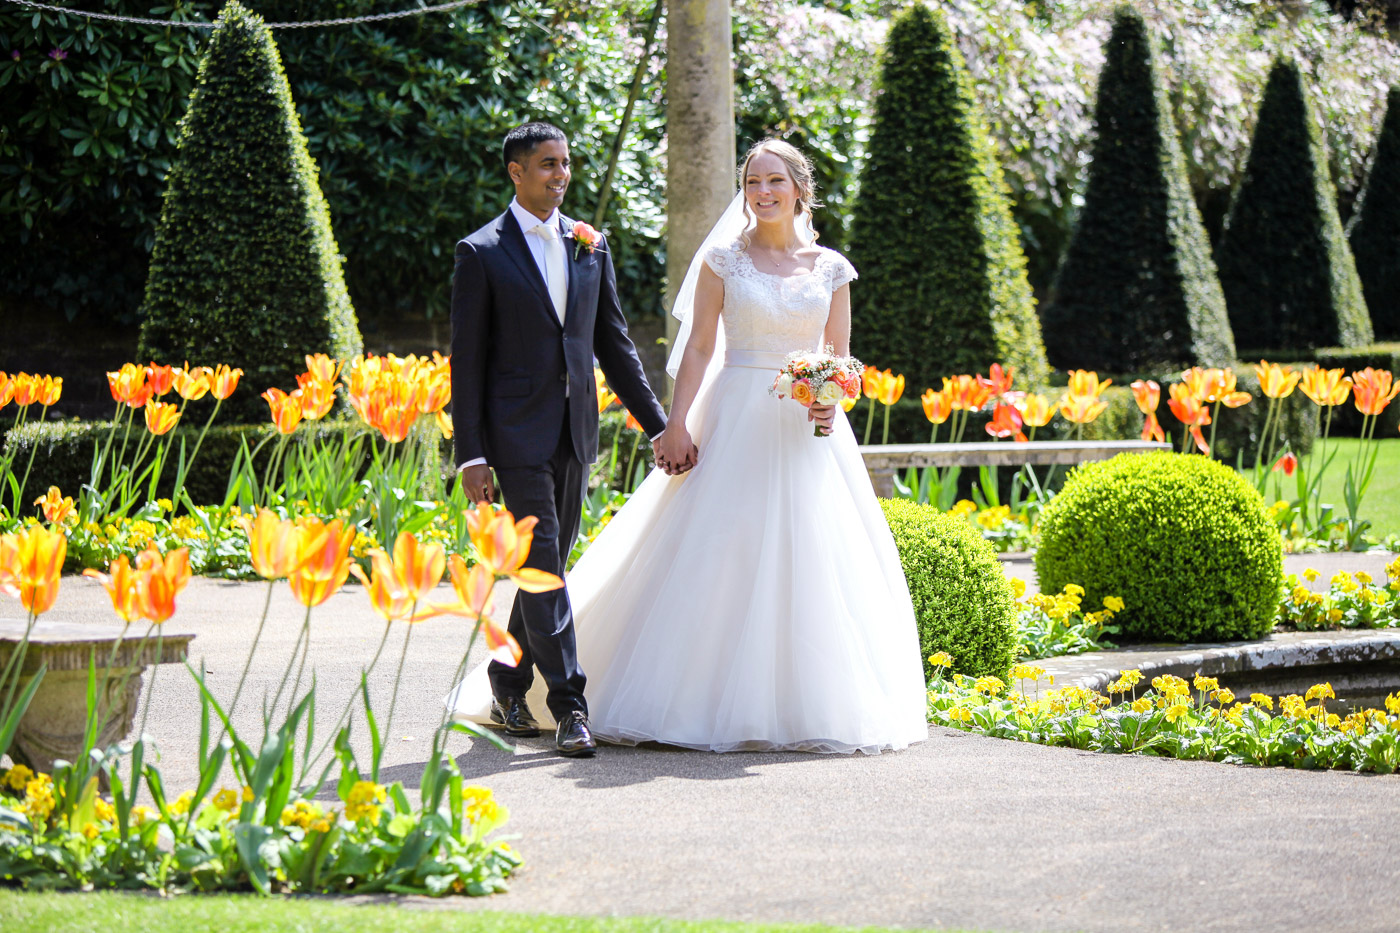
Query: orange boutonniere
x=585, y=235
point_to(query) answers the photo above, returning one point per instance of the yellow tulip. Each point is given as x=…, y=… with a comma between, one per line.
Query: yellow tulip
x=31, y=563
x=327, y=548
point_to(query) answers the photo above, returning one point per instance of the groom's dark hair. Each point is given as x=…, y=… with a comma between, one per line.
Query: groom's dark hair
x=522, y=141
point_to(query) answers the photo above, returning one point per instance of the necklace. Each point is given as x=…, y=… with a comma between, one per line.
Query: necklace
x=779, y=267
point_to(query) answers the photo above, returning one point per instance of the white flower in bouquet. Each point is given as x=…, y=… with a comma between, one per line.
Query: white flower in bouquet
x=783, y=387
x=830, y=393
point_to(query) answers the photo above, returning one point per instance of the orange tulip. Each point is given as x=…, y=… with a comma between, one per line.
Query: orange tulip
x=1152, y=428
x=1276, y=381
x=193, y=384
x=1190, y=411
x=434, y=392
x=48, y=389
x=277, y=546
x=1148, y=395
x=159, y=581
x=849, y=402
x=605, y=395
x=386, y=590
x=504, y=545
x=937, y=406
x=161, y=378
x=891, y=388
x=444, y=424
x=322, y=367
x=632, y=423
x=120, y=584
x=1373, y=390
x=286, y=410
x=161, y=417
x=1287, y=463
x=225, y=381
x=871, y=382
x=57, y=507
x=31, y=563
x=1006, y=422
x=1035, y=410
x=1087, y=383
x=327, y=565
x=126, y=382
x=473, y=588
x=7, y=388
x=26, y=389
x=1214, y=385
x=419, y=565
x=999, y=381
x=315, y=397
x=1326, y=387
x=1081, y=409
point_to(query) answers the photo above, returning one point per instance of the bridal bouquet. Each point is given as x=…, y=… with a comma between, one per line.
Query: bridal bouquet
x=823, y=378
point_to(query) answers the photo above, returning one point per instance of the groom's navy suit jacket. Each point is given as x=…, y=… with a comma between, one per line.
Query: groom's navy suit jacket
x=512, y=360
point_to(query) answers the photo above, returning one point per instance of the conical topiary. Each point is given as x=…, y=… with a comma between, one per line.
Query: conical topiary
x=1289, y=277
x=245, y=269
x=1374, y=232
x=943, y=286
x=1137, y=288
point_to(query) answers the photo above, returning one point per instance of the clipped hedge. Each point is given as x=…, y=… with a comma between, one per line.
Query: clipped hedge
x=245, y=269
x=1374, y=230
x=1137, y=287
x=1182, y=539
x=944, y=285
x=1290, y=280
x=962, y=599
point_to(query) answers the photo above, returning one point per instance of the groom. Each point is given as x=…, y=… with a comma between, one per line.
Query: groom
x=534, y=301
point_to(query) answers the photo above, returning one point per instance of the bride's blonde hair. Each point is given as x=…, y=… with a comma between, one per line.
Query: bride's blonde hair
x=799, y=169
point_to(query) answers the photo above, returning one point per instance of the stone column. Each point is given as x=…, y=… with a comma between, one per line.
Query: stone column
x=700, y=161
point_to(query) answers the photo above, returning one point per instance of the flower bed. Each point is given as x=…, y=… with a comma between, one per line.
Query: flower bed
x=1171, y=719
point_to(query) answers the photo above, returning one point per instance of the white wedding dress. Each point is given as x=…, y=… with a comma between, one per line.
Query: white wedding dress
x=756, y=602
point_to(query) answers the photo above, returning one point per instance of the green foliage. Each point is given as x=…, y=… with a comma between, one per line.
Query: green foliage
x=944, y=286
x=405, y=117
x=1183, y=540
x=1289, y=278
x=1374, y=231
x=245, y=268
x=1137, y=287
x=962, y=599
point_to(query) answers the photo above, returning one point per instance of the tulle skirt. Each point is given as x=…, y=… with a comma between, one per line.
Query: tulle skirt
x=756, y=602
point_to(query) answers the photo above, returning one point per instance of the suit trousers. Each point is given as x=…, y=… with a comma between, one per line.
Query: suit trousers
x=543, y=623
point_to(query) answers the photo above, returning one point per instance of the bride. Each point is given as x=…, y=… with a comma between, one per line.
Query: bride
x=756, y=601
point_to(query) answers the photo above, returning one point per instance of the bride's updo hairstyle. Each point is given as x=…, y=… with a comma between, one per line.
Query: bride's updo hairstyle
x=799, y=169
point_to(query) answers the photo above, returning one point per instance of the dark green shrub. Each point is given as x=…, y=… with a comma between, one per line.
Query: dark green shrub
x=1374, y=230
x=1137, y=287
x=962, y=599
x=1183, y=540
x=1289, y=278
x=943, y=285
x=245, y=269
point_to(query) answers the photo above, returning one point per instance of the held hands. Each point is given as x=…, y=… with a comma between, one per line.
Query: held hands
x=823, y=415
x=674, y=451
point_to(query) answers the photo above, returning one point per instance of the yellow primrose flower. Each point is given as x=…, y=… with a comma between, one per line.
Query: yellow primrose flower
x=363, y=801
x=1073, y=589
x=18, y=776
x=141, y=815
x=1334, y=615
x=1113, y=603
x=1310, y=575
x=103, y=810
x=960, y=714
x=940, y=659
x=1026, y=672
x=1206, y=684
x=165, y=505
x=991, y=686
x=1363, y=577
x=182, y=803
x=1142, y=705
x=1224, y=696
x=1262, y=699
x=90, y=830
x=226, y=799
x=1018, y=587
x=1300, y=594
x=1176, y=711
x=1321, y=692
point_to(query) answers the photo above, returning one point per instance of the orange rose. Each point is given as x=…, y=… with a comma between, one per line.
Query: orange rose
x=802, y=393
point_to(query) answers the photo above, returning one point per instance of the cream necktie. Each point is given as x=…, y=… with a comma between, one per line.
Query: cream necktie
x=554, y=273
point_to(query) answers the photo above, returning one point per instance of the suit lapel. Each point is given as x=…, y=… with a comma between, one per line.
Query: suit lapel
x=577, y=260
x=513, y=242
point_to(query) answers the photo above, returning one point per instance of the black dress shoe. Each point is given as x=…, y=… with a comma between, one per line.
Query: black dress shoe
x=572, y=739
x=514, y=715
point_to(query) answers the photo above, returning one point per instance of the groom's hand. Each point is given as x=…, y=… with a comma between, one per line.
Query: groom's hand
x=477, y=484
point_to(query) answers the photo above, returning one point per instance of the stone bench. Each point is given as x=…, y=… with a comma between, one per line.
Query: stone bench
x=885, y=461
x=54, y=724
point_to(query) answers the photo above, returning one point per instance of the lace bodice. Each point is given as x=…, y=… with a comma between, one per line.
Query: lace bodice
x=776, y=313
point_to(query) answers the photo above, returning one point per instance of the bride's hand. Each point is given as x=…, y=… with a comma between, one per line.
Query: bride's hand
x=675, y=452
x=824, y=415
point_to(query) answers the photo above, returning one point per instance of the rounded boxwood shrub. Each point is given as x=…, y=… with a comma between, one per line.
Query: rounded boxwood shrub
x=1182, y=539
x=962, y=599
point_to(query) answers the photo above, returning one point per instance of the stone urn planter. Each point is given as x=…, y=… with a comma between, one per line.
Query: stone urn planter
x=53, y=726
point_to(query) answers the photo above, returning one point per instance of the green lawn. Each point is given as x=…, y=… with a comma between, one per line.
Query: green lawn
x=1382, y=503
x=106, y=912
